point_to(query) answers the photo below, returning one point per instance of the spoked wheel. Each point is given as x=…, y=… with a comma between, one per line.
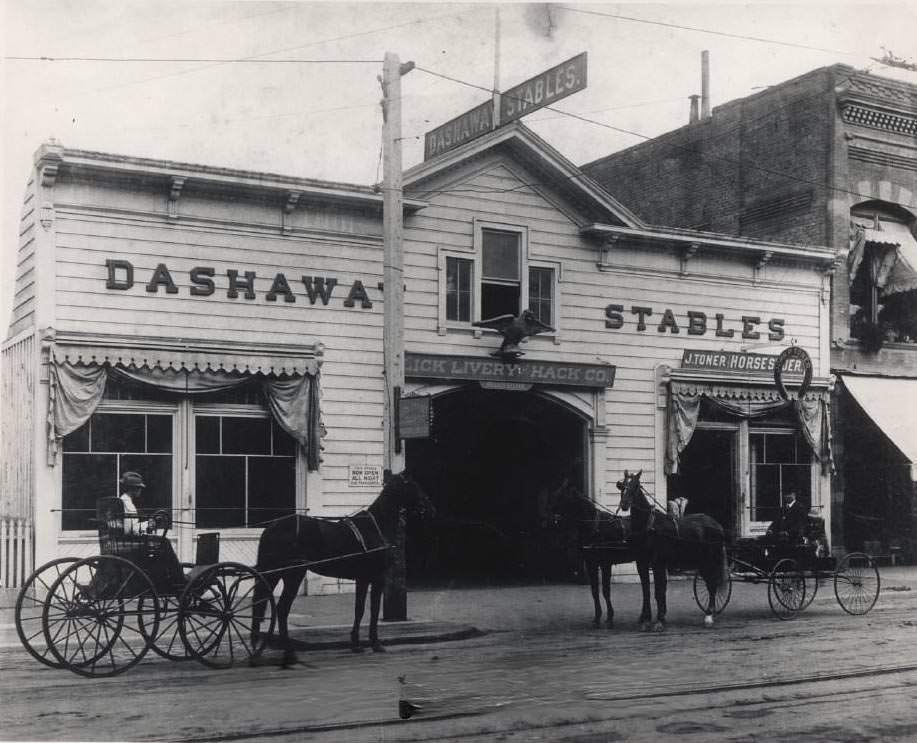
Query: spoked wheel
x=702, y=595
x=857, y=583
x=101, y=616
x=786, y=589
x=226, y=615
x=811, y=589
x=167, y=641
x=30, y=604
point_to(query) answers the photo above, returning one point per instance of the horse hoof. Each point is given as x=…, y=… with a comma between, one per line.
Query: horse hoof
x=356, y=649
x=644, y=626
x=610, y=624
x=597, y=622
x=659, y=627
x=378, y=647
x=708, y=620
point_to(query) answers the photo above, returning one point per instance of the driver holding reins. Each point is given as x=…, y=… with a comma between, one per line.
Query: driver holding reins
x=132, y=486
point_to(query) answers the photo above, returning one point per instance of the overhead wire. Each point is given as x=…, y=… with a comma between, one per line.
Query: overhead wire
x=645, y=137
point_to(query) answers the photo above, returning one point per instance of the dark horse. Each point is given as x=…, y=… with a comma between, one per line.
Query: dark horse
x=661, y=542
x=601, y=538
x=355, y=548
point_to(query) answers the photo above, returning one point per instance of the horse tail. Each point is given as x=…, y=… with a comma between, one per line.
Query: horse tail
x=724, y=566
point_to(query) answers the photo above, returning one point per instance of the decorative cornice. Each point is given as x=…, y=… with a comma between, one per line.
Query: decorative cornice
x=289, y=207
x=875, y=118
x=876, y=157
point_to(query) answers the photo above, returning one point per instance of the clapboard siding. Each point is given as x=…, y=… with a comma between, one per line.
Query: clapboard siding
x=24, y=288
x=635, y=275
x=97, y=222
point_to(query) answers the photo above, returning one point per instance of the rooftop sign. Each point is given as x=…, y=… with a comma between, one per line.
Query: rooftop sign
x=540, y=91
x=544, y=89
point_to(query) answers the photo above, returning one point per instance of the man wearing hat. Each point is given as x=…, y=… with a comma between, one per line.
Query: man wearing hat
x=793, y=521
x=131, y=487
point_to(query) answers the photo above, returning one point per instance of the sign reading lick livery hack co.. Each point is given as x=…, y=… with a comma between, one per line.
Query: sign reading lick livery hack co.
x=542, y=90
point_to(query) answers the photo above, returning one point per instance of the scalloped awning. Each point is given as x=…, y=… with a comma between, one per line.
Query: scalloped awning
x=202, y=356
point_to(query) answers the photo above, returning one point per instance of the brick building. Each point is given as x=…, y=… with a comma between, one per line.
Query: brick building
x=828, y=158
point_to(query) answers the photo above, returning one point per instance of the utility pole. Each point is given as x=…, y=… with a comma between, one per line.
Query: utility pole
x=395, y=605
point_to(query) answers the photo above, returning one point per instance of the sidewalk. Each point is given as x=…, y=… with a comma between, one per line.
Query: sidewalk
x=443, y=614
x=449, y=614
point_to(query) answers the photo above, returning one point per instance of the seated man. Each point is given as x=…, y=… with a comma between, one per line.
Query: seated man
x=792, y=523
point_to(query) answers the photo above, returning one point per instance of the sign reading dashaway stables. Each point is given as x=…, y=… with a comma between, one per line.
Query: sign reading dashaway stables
x=470, y=368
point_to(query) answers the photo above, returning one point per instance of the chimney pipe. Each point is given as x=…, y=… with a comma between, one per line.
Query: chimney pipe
x=705, y=84
x=695, y=104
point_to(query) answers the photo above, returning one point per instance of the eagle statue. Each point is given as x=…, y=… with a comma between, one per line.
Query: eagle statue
x=514, y=329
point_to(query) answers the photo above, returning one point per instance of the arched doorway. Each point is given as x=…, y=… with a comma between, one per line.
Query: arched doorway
x=489, y=466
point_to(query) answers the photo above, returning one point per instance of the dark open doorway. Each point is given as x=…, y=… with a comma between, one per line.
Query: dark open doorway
x=489, y=467
x=706, y=477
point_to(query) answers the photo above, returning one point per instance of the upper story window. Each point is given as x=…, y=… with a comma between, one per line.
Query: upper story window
x=496, y=277
x=882, y=268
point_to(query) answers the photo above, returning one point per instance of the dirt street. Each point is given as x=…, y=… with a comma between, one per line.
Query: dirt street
x=539, y=672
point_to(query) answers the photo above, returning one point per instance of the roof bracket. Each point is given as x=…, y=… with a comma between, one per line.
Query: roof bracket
x=687, y=254
x=606, y=246
x=174, y=195
x=288, y=208
x=763, y=259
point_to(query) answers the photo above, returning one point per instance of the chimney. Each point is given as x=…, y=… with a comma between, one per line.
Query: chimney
x=695, y=107
x=705, y=84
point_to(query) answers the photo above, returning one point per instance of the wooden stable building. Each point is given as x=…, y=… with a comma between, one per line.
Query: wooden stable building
x=221, y=332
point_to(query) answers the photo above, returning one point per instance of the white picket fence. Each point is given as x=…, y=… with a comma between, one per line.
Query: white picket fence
x=15, y=551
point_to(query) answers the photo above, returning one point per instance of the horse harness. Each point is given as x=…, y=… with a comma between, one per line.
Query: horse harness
x=361, y=539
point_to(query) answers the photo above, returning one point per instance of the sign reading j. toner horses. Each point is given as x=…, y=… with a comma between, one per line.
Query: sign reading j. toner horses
x=470, y=368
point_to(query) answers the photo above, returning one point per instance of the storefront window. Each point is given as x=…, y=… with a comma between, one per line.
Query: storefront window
x=96, y=454
x=780, y=461
x=245, y=471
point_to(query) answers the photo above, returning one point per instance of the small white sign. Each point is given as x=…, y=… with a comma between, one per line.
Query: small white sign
x=364, y=475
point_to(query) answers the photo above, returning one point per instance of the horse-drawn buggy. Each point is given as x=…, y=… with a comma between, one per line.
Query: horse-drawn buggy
x=99, y=616
x=793, y=572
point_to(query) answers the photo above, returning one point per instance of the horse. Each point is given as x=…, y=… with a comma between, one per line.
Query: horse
x=660, y=542
x=601, y=539
x=357, y=547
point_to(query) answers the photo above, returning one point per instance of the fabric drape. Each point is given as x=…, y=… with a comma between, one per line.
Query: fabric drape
x=76, y=391
x=684, y=408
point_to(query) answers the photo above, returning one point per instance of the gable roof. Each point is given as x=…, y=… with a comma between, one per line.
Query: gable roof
x=552, y=169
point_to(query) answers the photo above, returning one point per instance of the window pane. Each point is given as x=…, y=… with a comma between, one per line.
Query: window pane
x=207, y=434
x=798, y=477
x=458, y=289
x=159, y=433
x=271, y=488
x=500, y=255
x=86, y=478
x=283, y=442
x=114, y=432
x=766, y=489
x=220, y=492
x=497, y=299
x=246, y=435
x=541, y=290
x=156, y=471
x=78, y=440
x=781, y=449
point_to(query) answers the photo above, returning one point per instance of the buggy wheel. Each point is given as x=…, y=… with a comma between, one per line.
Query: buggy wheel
x=857, y=583
x=786, y=589
x=702, y=595
x=167, y=642
x=30, y=604
x=226, y=615
x=101, y=616
x=811, y=589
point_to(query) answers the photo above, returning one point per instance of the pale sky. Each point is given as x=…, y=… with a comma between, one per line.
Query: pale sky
x=318, y=117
